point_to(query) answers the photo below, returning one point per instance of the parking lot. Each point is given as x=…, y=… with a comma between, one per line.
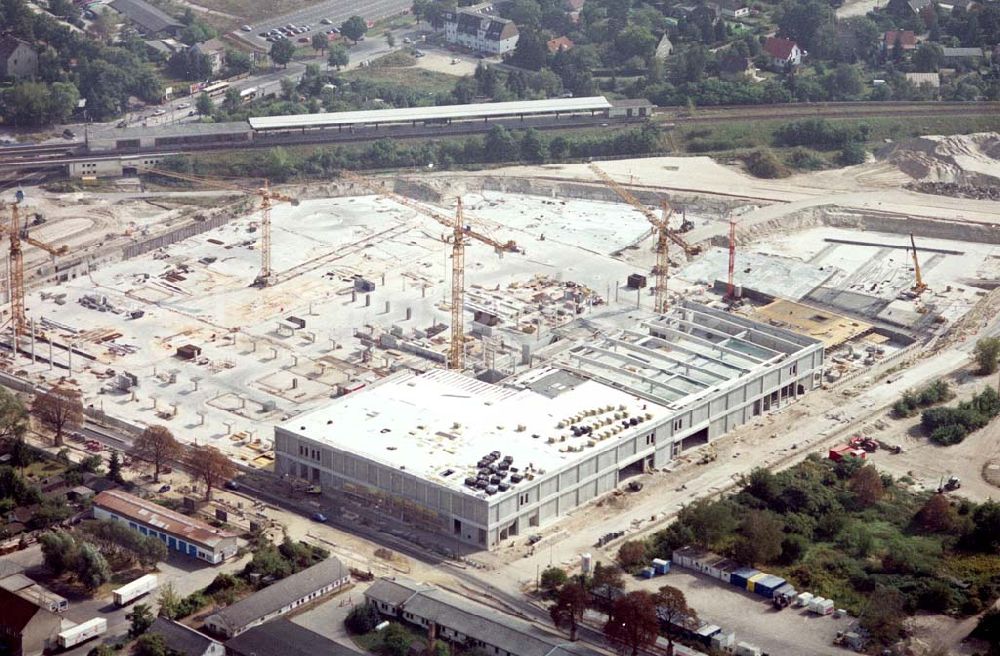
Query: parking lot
x=752, y=618
x=335, y=11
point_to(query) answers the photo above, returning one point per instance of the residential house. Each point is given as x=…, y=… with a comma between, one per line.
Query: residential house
x=952, y=55
x=477, y=29
x=906, y=38
x=184, y=640
x=26, y=628
x=906, y=8
x=215, y=51
x=736, y=68
x=932, y=80
x=733, y=8
x=782, y=53
x=146, y=18
x=466, y=623
x=559, y=44
x=279, y=598
x=179, y=532
x=573, y=7
x=17, y=59
x=282, y=637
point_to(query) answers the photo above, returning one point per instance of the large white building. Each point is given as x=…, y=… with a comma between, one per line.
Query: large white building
x=478, y=29
x=487, y=462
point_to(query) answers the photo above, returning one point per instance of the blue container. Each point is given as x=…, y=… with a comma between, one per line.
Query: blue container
x=740, y=577
x=786, y=591
x=766, y=586
x=661, y=566
x=647, y=572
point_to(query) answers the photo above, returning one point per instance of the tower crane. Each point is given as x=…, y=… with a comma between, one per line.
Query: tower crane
x=267, y=197
x=731, y=284
x=459, y=238
x=663, y=237
x=919, y=285
x=16, y=234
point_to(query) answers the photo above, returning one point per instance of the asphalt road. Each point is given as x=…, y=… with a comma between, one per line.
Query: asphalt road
x=336, y=10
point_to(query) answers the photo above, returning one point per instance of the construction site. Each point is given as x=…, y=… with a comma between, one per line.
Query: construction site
x=222, y=311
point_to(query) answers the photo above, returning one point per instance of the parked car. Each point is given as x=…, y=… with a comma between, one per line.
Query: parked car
x=159, y=112
x=183, y=105
x=326, y=21
x=164, y=488
x=69, y=134
x=303, y=39
x=319, y=517
x=247, y=28
x=232, y=485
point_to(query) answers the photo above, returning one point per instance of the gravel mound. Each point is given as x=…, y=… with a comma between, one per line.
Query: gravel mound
x=972, y=159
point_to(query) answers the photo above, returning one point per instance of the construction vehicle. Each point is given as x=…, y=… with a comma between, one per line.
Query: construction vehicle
x=952, y=484
x=866, y=443
x=919, y=286
x=267, y=197
x=460, y=234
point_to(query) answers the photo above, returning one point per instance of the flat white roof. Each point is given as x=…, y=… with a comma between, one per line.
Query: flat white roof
x=430, y=423
x=405, y=114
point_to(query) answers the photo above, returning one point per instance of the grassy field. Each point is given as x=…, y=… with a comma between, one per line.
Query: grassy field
x=399, y=69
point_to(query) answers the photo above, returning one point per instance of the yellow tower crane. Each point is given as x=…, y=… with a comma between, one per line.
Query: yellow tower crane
x=664, y=235
x=267, y=197
x=919, y=285
x=460, y=234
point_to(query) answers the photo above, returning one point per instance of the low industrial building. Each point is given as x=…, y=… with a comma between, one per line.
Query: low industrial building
x=282, y=637
x=146, y=18
x=279, y=598
x=486, y=462
x=25, y=627
x=179, y=532
x=184, y=640
x=466, y=623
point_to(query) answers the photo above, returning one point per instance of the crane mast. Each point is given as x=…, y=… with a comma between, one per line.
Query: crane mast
x=19, y=321
x=662, y=262
x=456, y=355
x=919, y=286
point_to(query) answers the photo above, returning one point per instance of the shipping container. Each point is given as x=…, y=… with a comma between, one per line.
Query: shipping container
x=746, y=649
x=817, y=604
x=722, y=641
x=132, y=591
x=726, y=569
x=661, y=566
x=704, y=634
x=752, y=581
x=740, y=576
x=824, y=608
x=647, y=572
x=786, y=592
x=803, y=599
x=82, y=632
x=766, y=586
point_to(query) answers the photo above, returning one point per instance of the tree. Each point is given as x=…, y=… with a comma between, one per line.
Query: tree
x=883, y=615
x=152, y=644
x=988, y=630
x=928, y=57
x=92, y=568
x=530, y=52
x=709, y=522
x=607, y=575
x=390, y=39
x=632, y=554
x=232, y=99
x=60, y=408
x=633, y=621
x=204, y=105
x=761, y=535
x=866, y=484
x=169, y=601
x=320, y=42
x=354, y=28
x=533, y=148
x=552, y=578
x=362, y=619
x=238, y=62
x=567, y=612
x=338, y=56
x=210, y=465
x=282, y=52
x=396, y=640
x=673, y=609
x=845, y=82
x=936, y=515
x=141, y=618
x=115, y=467
x=802, y=20
x=13, y=416
x=501, y=146
x=157, y=446
x=986, y=353
x=60, y=551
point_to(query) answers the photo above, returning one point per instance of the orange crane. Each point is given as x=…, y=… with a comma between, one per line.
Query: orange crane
x=919, y=286
x=458, y=239
x=664, y=235
x=267, y=197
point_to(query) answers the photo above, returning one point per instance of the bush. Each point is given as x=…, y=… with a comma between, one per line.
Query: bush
x=805, y=160
x=762, y=163
x=816, y=133
x=362, y=619
x=632, y=555
x=951, y=425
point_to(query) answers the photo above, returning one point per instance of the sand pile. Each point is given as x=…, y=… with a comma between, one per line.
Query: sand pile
x=965, y=159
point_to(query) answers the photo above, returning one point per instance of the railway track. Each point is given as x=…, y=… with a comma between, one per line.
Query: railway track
x=34, y=157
